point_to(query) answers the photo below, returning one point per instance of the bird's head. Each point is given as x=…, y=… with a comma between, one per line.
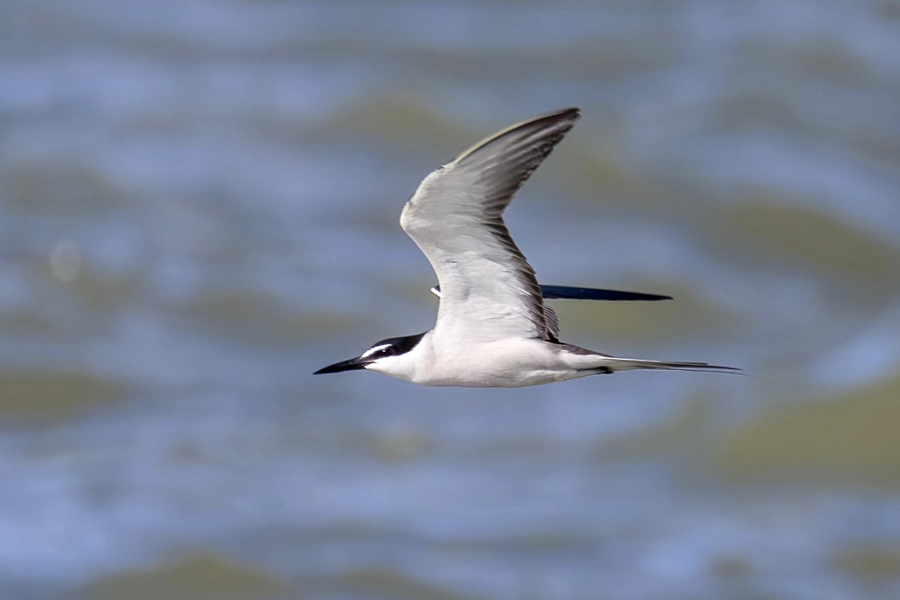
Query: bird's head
x=384, y=356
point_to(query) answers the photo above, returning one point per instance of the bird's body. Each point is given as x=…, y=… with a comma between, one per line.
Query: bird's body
x=493, y=328
x=516, y=362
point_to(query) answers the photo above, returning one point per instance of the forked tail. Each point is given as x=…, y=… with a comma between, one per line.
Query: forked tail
x=627, y=364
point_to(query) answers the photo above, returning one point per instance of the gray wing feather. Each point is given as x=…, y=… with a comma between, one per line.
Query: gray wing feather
x=552, y=321
x=488, y=289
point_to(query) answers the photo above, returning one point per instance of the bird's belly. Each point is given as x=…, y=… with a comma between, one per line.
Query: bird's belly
x=496, y=364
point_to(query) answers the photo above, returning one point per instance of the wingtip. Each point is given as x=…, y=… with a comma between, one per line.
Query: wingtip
x=624, y=364
x=552, y=292
x=561, y=120
x=573, y=113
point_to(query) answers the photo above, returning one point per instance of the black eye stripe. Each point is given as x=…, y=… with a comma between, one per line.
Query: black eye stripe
x=395, y=346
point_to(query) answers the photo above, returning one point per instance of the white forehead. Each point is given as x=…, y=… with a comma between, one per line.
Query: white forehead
x=374, y=349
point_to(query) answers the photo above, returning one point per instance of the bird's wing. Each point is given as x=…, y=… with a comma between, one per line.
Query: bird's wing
x=552, y=320
x=553, y=292
x=564, y=292
x=488, y=289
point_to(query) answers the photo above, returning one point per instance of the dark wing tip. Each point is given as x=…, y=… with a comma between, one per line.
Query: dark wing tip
x=569, y=113
x=563, y=114
x=559, y=120
x=698, y=366
x=572, y=111
x=564, y=292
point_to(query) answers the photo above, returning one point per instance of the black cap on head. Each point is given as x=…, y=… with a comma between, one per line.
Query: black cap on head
x=389, y=347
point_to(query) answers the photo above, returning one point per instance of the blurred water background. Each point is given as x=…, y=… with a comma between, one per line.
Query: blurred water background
x=198, y=208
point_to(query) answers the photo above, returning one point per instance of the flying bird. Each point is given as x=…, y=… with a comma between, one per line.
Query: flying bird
x=493, y=328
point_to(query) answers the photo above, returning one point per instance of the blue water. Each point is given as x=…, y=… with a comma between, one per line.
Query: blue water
x=198, y=209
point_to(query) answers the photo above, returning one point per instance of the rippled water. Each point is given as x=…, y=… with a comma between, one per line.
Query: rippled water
x=198, y=208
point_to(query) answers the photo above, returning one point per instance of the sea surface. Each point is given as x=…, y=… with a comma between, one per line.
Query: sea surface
x=198, y=208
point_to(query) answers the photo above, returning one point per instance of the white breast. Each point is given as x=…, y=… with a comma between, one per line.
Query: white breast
x=500, y=363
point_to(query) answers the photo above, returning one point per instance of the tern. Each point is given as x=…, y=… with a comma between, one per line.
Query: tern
x=493, y=328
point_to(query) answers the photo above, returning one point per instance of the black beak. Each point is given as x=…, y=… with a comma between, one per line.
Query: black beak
x=348, y=365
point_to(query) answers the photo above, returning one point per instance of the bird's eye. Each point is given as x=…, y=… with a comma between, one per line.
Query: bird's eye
x=378, y=351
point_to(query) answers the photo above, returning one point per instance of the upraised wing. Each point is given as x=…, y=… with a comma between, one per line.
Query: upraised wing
x=488, y=289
